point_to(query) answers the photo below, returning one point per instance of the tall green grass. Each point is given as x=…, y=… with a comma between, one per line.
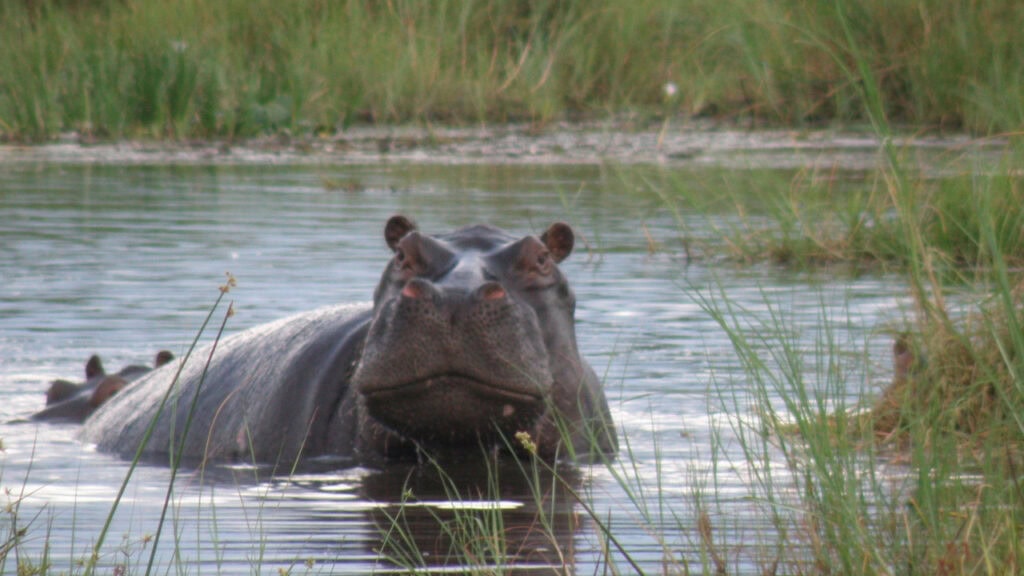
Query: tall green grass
x=963, y=222
x=926, y=506
x=204, y=68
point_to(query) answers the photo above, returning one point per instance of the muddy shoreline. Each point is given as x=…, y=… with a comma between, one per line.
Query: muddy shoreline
x=676, y=144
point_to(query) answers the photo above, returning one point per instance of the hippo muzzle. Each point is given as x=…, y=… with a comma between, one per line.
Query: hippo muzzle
x=452, y=409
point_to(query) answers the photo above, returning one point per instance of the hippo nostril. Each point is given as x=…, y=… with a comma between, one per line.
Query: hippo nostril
x=415, y=289
x=491, y=291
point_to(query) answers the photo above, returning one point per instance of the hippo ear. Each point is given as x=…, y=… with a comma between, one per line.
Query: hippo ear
x=559, y=240
x=94, y=367
x=396, y=229
x=162, y=357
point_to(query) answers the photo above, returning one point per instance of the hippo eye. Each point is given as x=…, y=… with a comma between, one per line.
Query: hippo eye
x=403, y=261
x=527, y=264
x=543, y=263
x=535, y=270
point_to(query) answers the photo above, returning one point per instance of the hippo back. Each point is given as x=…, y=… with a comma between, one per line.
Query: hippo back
x=268, y=394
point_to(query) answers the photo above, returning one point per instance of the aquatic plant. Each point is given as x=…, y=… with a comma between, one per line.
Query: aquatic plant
x=810, y=217
x=175, y=460
x=848, y=503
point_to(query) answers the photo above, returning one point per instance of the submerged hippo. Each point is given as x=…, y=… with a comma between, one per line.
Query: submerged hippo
x=470, y=340
x=75, y=402
x=135, y=371
x=63, y=389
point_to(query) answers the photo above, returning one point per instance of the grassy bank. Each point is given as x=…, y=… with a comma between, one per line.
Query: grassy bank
x=204, y=68
x=960, y=221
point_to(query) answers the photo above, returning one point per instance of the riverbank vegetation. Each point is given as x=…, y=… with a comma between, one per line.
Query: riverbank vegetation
x=226, y=69
x=958, y=360
x=877, y=219
x=922, y=477
x=952, y=411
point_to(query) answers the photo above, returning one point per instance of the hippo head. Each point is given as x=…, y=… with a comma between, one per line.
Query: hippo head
x=472, y=333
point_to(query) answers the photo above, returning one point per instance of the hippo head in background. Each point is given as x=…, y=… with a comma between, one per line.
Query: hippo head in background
x=61, y=390
x=472, y=339
x=75, y=402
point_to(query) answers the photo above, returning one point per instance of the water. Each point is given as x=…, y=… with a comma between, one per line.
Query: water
x=123, y=260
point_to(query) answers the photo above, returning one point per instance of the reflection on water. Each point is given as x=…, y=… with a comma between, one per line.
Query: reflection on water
x=123, y=261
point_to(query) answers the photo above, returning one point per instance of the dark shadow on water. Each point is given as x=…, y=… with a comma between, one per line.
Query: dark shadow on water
x=495, y=514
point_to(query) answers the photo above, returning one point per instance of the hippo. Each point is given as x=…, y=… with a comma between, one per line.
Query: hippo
x=906, y=392
x=135, y=371
x=75, y=402
x=63, y=389
x=469, y=342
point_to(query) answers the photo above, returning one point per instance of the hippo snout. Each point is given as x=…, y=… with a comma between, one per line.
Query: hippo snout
x=444, y=311
x=418, y=289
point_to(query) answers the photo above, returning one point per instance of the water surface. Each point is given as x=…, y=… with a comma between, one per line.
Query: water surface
x=123, y=260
